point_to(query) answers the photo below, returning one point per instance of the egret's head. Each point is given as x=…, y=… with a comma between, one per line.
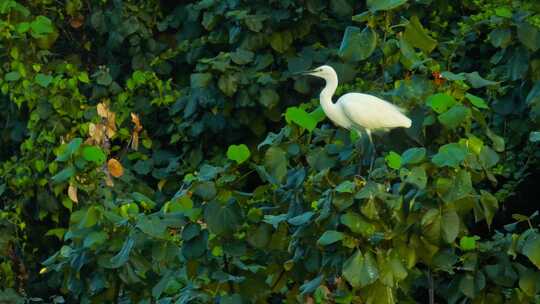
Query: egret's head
x=324, y=71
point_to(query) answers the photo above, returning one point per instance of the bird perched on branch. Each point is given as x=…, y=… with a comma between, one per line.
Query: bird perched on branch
x=357, y=111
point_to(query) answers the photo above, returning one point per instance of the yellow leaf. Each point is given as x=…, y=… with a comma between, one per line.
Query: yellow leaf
x=72, y=193
x=102, y=110
x=115, y=167
x=96, y=132
x=161, y=183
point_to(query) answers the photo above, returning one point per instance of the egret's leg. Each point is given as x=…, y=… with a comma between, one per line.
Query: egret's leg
x=373, y=152
x=360, y=144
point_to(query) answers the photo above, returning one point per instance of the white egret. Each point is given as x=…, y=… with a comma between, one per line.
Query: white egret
x=357, y=111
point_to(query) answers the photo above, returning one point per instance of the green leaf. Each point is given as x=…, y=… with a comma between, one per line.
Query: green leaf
x=275, y=161
x=529, y=35
x=357, y=224
x=460, y=187
x=531, y=249
x=534, y=94
x=489, y=205
x=238, y=153
x=228, y=84
x=418, y=177
x=413, y=156
x=488, y=158
x=242, y=56
x=360, y=270
x=281, y=41
x=450, y=225
x=301, y=118
x=12, y=76
x=346, y=187
x=63, y=175
x=431, y=225
x=68, y=150
x=269, y=98
x=357, y=45
x=450, y=155
x=478, y=81
x=417, y=36
x=529, y=282
x=200, y=80
x=503, y=12
x=41, y=27
x=301, y=219
x=500, y=37
x=43, y=80
x=104, y=78
x=311, y=286
x=94, y=154
x=222, y=219
x=440, y=102
x=123, y=255
x=498, y=141
x=477, y=101
x=454, y=117
x=95, y=238
x=384, y=5
x=330, y=237
x=468, y=243
x=393, y=160
x=318, y=114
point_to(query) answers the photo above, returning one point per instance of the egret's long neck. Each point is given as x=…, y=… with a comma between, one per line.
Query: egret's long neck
x=326, y=95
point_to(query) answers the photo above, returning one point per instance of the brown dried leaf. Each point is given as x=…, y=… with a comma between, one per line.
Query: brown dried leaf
x=115, y=168
x=76, y=22
x=108, y=181
x=137, y=122
x=135, y=141
x=111, y=125
x=96, y=132
x=72, y=193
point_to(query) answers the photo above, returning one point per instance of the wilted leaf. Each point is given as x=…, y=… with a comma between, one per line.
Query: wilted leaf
x=72, y=193
x=115, y=168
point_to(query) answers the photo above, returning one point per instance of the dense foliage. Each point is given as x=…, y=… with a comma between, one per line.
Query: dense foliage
x=167, y=152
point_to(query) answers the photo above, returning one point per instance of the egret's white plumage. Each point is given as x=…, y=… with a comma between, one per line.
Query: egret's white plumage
x=357, y=110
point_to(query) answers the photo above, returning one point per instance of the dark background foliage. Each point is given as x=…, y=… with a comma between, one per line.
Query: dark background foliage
x=167, y=152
